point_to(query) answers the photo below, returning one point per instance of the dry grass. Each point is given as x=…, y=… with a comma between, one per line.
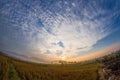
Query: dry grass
x=20, y=70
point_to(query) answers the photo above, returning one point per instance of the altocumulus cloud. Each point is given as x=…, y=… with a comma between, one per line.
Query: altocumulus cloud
x=56, y=27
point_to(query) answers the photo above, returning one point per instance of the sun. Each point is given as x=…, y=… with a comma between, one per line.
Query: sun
x=63, y=58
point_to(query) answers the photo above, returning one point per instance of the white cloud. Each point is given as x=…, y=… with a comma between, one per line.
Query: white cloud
x=72, y=31
x=77, y=26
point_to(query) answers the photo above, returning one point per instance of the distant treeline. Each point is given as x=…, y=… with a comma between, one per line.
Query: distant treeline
x=109, y=57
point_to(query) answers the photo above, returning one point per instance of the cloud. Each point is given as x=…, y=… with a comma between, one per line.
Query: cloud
x=58, y=52
x=60, y=44
x=60, y=28
x=82, y=48
x=48, y=52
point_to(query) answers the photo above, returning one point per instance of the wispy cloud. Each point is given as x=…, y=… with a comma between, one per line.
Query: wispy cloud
x=63, y=27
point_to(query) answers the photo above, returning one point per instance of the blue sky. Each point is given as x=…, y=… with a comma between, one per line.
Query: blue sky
x=48, y=30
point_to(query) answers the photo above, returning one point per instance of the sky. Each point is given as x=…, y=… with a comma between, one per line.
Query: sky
x=49, y=30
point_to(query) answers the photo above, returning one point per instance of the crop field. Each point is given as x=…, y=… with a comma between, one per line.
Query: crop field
x=13, y=69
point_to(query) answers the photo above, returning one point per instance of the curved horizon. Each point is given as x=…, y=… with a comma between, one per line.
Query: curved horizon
x=45, y=31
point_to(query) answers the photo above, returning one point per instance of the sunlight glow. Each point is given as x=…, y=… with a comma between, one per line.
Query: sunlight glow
x=63, y=58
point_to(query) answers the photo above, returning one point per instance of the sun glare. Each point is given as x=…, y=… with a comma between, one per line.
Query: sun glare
x=63, y=58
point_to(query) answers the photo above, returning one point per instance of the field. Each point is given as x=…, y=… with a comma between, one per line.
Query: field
x=13, y=69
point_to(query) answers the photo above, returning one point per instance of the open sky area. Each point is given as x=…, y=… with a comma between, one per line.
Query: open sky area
x=49, y=30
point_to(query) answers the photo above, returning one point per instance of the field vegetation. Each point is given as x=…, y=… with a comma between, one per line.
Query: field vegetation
x=104, y=68
x=13, y=69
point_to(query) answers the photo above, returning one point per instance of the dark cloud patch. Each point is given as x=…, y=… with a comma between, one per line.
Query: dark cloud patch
x=60, y=43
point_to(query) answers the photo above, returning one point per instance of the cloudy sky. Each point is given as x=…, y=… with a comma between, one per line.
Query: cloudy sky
x=50, y=30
